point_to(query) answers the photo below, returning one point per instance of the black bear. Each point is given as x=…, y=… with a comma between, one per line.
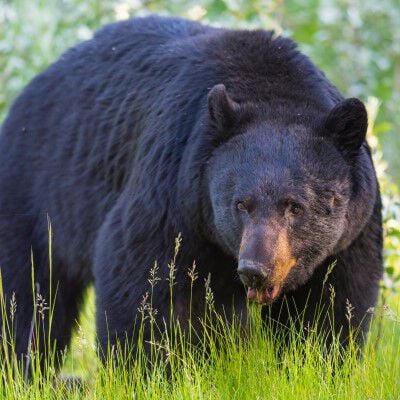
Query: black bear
x=160, y=126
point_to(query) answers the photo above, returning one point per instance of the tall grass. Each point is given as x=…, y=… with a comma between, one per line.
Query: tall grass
x=229, y=362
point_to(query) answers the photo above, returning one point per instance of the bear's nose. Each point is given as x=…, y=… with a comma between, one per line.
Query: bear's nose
x=251, y=274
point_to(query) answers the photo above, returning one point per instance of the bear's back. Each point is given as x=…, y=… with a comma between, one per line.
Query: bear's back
x=123, y=106
x=69, y=139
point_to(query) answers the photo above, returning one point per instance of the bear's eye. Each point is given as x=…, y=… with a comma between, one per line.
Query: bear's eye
x=241, y=206
x=245, y=205
x=295, y=208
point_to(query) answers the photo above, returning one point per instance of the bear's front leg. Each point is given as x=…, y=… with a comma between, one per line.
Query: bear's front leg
x=124, y=296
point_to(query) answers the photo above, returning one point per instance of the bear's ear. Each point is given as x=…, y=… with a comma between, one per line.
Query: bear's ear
x=347, y=125
x=222, y=109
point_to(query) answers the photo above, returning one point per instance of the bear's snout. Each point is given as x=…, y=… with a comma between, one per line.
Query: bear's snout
x=258, y=281
x=251, y=274
x=265, y=259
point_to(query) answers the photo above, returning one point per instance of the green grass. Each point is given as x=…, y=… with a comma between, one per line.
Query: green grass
x=225, y=366
x=249, y=369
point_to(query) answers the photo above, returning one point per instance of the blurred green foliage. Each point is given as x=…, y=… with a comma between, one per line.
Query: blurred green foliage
x=356, y=43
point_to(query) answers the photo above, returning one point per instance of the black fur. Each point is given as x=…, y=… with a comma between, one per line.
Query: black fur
x=123, y=145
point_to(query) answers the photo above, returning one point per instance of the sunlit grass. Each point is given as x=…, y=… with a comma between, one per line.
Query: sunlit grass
x=225, y=365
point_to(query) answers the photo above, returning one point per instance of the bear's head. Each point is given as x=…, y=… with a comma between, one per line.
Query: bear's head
x=285, y=197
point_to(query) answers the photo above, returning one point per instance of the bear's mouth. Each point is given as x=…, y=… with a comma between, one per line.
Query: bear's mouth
x=265, y=295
